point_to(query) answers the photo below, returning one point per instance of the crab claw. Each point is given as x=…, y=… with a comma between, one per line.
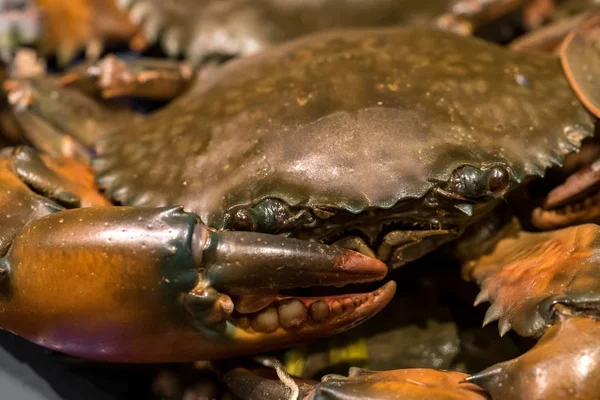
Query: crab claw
x=243, y=263
x=152, y=285
x=565, y=364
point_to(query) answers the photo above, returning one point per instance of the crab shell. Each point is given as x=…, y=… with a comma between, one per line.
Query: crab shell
x=351, y=120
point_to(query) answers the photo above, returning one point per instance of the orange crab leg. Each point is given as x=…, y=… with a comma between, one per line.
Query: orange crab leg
x=565, y=364
x=413, y=384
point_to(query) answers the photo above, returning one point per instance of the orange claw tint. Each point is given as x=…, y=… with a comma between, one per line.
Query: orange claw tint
x=406, y=384
x=565, y=364
x=528, y=272
x=79, y=178
x=19, y=205
x=124, y=284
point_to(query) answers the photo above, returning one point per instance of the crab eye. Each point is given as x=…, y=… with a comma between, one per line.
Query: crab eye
x=242, y=220
x=466, y=181
x=474, y=183
x=267, y=216
x=497, y=180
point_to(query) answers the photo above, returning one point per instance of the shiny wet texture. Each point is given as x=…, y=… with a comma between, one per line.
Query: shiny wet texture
x=565, y=364
x=406, y=131
x=410, y=384
x=368, y=87
x=110, y=283
x=18, y=204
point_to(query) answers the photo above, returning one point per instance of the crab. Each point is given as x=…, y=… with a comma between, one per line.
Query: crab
x=316, y=162
x=200, y=29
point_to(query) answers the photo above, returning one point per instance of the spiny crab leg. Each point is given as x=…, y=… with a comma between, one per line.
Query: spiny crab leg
x=155, y=285
x=544, y=284
x=44, y=109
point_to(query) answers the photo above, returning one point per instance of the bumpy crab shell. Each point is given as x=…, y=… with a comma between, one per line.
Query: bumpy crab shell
x=347, y=120
x=203, y=27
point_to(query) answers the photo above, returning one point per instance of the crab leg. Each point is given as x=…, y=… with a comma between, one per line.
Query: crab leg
x=148, y=78
x=565, y=364
x=466, y=16
x=417, y=384
x=544, y=284
x=547, y=38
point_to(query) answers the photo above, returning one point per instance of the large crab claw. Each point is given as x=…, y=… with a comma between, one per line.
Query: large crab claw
x=155, y=285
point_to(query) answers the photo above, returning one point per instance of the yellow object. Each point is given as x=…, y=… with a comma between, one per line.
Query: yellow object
x=294, y=360
x=351, y=349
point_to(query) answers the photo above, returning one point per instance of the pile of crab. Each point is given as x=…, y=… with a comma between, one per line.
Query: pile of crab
x=303, y=152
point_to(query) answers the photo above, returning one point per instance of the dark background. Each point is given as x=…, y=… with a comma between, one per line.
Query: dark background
x=30, y=372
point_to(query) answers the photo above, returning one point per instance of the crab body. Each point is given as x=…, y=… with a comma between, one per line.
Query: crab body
x=350, y=130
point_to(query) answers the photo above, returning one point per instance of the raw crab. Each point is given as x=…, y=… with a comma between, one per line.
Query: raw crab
x=383, y=141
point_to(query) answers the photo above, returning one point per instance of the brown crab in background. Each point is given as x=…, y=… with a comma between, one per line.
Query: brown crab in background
x=202, y=28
